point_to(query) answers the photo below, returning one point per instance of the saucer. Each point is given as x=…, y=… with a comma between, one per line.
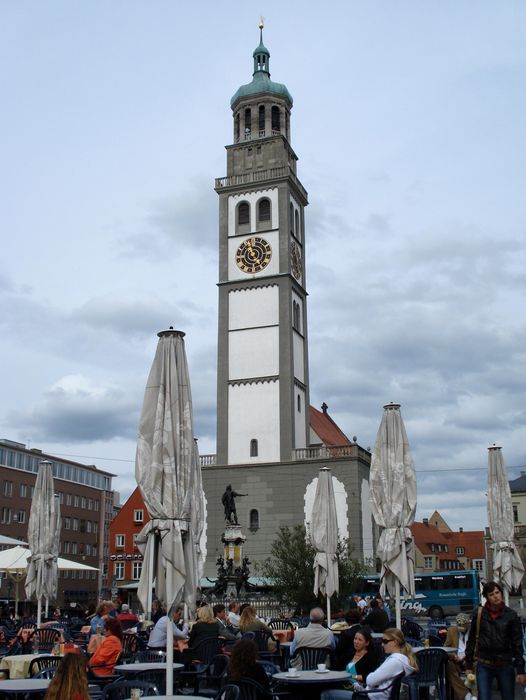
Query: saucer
x=324, y=671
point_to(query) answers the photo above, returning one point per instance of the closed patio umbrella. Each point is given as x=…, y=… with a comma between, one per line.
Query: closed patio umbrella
x=43, y=539
x=168, y=474
x=324, y=538
x=508, y=568
x=392, y=483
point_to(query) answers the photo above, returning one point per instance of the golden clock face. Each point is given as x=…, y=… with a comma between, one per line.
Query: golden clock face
x=253, y=255
x=295, y=260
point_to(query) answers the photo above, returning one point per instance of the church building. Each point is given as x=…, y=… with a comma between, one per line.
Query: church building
x=270, y=442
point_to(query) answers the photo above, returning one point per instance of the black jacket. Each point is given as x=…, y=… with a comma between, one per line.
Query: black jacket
x=499, y=640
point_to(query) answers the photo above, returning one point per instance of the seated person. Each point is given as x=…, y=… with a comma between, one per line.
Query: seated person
x=400, y=659
x=127, y=618
x=315, y=635
x=345, y=642
x=206, y=627
x=104, y=659
x=243, y=664
x=157, y=638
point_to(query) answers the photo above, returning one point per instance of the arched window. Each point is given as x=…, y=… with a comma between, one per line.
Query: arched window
x=261, y=124
x=291, y=216
x=248, y=121
x=299, y=403
x=254, y=520
x=264, y=210
x=276, y=118
x=297, y=224
x=237, y=127
x=243, y=214
x=253, y=448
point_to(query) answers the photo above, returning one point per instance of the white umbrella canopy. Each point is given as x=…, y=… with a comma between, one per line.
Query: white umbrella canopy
x=324, y=538
x=14, y=561
x=168, y=473
x=507, y=565
x=43, y=539
x=10, y=541
x=392, y=483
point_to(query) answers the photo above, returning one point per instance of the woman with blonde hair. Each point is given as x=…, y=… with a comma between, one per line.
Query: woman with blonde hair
x=70, y=681
x=400, y=659
x=249, y=622
x=206, y=627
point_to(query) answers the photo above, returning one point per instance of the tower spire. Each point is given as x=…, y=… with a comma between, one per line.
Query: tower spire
x=261, y=54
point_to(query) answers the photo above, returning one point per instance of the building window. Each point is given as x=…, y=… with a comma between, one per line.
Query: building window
x=253, y=448
x=428, y=562
x=254, y=520
x=74, y=548
x=264, y=210
x=478, y=564
x=238, y=120
x=248, y=122
x=138, y=516
x=299, y=403
x=459, y=551
x=8, y=488
x=66, y=547
x=136, y=569
x=276, y=119
x=118, y=570
x=21, y=517
x=75, y=524
x=68, y=499
x=261, y=124
x=23, y=491
x=67, y=523
x=76, y=501
x=119, y=541
x=291, y=217
x=83, y=502
x=297, y=224
x=5, y=516
x=243, y=214
x=89, y=526
x=515, y=513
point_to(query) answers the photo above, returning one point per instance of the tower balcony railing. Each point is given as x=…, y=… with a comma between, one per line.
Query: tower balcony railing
x=207, y=460
x=334, y=452
x=259, y=176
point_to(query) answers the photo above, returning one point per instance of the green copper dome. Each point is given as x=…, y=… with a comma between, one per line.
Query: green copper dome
x=261, y=82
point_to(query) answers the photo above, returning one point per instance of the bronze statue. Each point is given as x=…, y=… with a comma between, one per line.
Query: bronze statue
x=229, y=504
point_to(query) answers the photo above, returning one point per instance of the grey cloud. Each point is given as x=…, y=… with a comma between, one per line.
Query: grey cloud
x=81, y=416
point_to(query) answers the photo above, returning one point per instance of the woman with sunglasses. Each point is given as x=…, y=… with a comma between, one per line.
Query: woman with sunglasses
x=400, y=659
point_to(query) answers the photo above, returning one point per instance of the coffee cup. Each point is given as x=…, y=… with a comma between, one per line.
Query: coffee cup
x=322, y=667
x=293, y=671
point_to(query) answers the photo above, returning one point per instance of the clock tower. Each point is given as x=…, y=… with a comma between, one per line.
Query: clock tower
x=262, y=380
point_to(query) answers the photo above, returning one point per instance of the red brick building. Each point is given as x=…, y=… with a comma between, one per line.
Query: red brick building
x=125, y=560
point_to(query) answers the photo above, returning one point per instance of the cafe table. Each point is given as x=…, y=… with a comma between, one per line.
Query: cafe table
x=17, y=665
x=24, y=686
x=310, y=684
x=131, y=669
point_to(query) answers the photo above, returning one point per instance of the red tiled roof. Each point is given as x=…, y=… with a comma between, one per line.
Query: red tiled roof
x=326, y=429
x=472, y=541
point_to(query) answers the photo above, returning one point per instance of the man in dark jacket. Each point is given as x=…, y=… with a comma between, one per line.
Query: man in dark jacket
x=377, y=619
x=495, y=645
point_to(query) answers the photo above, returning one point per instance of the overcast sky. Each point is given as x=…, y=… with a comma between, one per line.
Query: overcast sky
x=409, y=123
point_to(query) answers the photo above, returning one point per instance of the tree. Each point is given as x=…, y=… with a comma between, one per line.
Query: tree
x=290, y=568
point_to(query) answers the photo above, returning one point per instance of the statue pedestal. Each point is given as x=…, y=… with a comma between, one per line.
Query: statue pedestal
x=233, y=540
x=233, y=567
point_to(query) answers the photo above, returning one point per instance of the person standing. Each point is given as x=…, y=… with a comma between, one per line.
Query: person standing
x=495, y=645
x=457, y=637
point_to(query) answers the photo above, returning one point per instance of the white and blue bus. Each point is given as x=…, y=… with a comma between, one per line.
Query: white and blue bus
x=436, y=595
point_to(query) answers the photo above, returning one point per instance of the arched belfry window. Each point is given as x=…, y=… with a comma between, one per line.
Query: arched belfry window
x=237, y=127
x=299, y=403
x=248, y=122
x=261, y=120
x=243, y=216
x=264, y=210
x=254, y=520
x=253, y=448
x=291, y=217
x=276, y=118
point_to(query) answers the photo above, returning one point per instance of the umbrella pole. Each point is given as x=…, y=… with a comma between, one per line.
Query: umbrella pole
x=46, y=613
x=148, y=610
x=39, y=611
x=329, y=612
x=169, y=635
x=397, y=604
